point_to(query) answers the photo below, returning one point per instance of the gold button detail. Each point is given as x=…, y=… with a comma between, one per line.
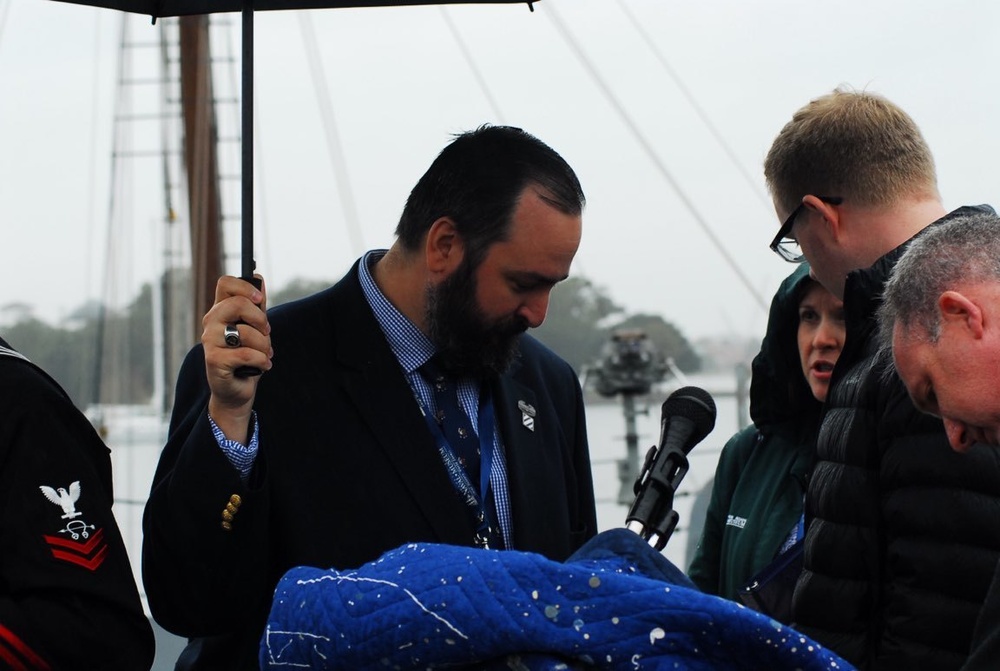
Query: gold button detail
x=229, y=512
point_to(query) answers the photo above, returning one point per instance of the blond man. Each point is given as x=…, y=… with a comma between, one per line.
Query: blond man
x=890, y=580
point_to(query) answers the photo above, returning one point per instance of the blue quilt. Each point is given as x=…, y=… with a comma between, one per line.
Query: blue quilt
x=617, y=604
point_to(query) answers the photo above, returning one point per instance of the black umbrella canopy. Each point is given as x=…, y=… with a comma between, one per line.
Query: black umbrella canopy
x=158, y=8
x=161, y=8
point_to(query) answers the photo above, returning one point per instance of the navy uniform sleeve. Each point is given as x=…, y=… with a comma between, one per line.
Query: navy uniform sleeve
x=68, y=598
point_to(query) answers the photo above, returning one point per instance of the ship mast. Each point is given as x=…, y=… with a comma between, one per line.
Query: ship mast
x=202, y=165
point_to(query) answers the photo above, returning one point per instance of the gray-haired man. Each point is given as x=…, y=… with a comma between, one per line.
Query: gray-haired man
x=941, y=317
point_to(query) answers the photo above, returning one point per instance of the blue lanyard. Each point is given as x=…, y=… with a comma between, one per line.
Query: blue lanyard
x=459, y=478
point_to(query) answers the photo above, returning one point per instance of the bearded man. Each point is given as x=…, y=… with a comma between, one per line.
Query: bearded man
x=354, y=441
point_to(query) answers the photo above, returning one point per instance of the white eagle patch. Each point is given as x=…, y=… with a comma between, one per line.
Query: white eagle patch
x=64, y=499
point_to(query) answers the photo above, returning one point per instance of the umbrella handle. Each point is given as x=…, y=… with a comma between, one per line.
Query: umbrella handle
x=249, y=371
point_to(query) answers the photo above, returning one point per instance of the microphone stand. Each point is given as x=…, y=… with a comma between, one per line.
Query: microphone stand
x=652, y=515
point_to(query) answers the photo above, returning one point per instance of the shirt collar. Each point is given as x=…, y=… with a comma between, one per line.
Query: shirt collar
x=408, y=343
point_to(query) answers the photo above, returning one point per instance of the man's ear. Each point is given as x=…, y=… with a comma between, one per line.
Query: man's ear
x=829, y=213
x=959, y=310
x=443, y=247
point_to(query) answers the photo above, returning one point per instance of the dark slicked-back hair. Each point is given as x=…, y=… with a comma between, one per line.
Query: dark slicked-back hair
x=477, y=180
x=852, y=144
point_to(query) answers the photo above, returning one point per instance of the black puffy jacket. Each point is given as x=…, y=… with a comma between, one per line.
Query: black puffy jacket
x=903, y=533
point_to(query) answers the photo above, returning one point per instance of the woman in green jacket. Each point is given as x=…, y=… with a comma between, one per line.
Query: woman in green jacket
x=753, y=525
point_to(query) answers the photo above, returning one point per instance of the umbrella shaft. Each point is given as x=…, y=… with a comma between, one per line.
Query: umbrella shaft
x=246, y=174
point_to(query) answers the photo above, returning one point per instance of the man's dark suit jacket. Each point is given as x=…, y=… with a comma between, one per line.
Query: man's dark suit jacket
x=347, y=470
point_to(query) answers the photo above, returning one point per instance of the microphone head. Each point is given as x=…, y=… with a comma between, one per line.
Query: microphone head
x=695, y=404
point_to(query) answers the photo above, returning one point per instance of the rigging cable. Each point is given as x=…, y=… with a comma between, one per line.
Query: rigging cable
x=260, y=220
x=463, y=47
x=332, y=136
x=695, y=106
x=91, y=222
x=549, y=9
x=109, y=339
x=4, y=10
x=164, y=298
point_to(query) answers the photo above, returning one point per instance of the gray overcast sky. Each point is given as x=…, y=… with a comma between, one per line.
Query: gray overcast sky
x=399, y=86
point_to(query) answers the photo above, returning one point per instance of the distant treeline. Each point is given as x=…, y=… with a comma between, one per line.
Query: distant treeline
x=106, y=355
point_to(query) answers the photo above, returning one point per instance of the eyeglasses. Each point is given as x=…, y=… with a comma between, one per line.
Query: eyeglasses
x=787, y=247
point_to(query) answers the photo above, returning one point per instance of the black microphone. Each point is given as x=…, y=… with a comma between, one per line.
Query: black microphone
x=687, y=416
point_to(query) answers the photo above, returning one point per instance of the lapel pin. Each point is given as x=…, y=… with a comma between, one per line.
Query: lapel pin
x=527, y=415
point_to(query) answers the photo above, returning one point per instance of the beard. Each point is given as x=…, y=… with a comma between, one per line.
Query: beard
x=469, y=344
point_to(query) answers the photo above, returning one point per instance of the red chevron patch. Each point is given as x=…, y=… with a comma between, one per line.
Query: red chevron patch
x=89, y=554
x=17, y=655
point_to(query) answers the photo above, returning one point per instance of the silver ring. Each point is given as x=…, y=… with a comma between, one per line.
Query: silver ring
x=232, y=336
